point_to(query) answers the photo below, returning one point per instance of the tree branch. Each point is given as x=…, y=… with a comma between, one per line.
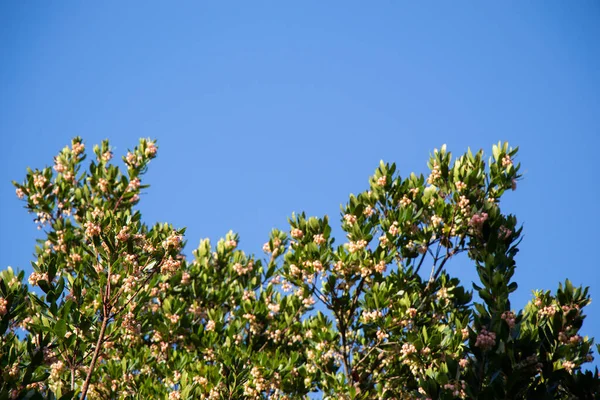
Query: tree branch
x=88, y=378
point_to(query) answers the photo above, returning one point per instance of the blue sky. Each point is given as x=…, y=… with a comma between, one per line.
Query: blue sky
x=264, y=108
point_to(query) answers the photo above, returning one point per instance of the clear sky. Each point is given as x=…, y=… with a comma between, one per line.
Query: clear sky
x=264, y=108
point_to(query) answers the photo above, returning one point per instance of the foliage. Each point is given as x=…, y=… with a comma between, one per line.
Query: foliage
x=114, y=309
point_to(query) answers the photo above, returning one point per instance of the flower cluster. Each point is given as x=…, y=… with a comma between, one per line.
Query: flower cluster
x=369, y=316
x=297, y=233
x=477, y=220
x=510, y=318
x=243, y=270
x=210, y=326
x=435, y=174
x=174, y=241
x=356, y=246
x=151, y=149
x=405, y=201
x=457, y=389
x=350, y=219
x=123, y=236
x=319, y=239
x=170, y=266
x=565, y=338
x=39, y=181
x=381, y=335
x=394, y=230
x=78, y=147
x=3, y=306
x=485, y=340
x=547, y=311
x=408, y=349
x=92, y=229
x=460, y=185
x=436, y=220
x=506, y=161
x=569, y=366
x=59, y=167
x=463, y=204
x=35, y=277
x=56, y=369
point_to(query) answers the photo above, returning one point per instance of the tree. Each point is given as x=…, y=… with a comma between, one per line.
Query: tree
x=114, y=309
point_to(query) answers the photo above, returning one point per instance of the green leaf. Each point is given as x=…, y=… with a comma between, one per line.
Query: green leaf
x=60, y=329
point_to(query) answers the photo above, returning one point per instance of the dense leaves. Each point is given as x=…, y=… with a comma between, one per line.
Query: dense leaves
x=114, y=309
